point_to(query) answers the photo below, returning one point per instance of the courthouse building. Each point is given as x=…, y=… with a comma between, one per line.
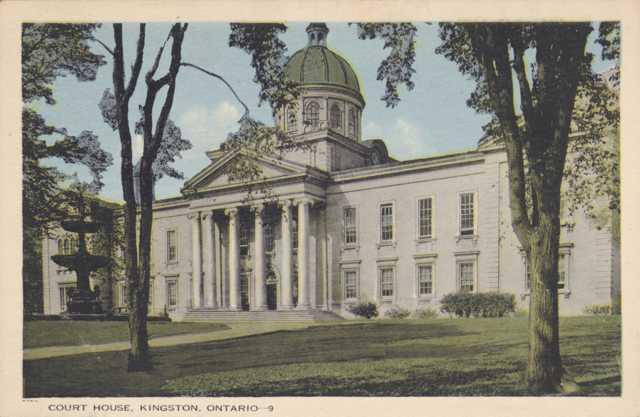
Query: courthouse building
x=349, y=223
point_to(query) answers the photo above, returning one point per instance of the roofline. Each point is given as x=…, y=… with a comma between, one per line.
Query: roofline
x=395, y=168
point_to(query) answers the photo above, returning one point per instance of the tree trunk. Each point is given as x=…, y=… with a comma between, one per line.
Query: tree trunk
x=140, y=358
x=544, y=368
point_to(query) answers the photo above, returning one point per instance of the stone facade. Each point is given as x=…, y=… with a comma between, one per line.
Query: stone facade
x=350, y=224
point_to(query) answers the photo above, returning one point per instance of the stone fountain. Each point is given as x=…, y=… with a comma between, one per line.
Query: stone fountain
x=82, y=300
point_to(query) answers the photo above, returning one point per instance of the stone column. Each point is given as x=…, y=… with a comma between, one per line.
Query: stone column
x=259, y=301
x=207, y=242
x=303, y=260
x=196, y=260
x=234, y=260
x=286, y=297
x=218, y=264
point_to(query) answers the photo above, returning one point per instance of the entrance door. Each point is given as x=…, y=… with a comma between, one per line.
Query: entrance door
x=272, y=292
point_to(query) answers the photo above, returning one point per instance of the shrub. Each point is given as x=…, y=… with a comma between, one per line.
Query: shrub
x=397, y=313
x=365, y=309
x=598, y=309
x=425, y=313
x=478, y=305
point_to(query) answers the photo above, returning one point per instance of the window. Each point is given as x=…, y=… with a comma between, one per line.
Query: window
x=172, y=293
x=386, y=222
x=123, y=295
x=65, y=293
x=60, y=247
x=425, y=280
x=312, y=115
x=335, y=117
x=350, y=285
x=562, y=275
x=352, y=123
x=245, y=236
x=465, y=276
x=291, y=120
x=425, y=218
x=269, y=238
x=563, y=259
x=350, y=228
x=386, y=282
x=467, y=214
x=172, y=248
x=67, y=247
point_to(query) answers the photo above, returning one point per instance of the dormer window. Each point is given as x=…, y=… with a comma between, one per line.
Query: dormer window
x=312, y=115
x=335, y=117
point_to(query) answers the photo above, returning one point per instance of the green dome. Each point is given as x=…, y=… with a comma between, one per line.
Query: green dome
x=317, y=64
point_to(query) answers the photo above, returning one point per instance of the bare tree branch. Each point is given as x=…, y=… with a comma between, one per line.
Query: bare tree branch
x=104, y=45
x=246, y=108
x=135, y=69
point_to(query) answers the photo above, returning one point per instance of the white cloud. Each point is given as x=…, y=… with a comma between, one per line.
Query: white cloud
x=208, y=128
x=404, y=140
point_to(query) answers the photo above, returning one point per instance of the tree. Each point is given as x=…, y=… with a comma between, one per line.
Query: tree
x=162, y=143
x=536, y=140
x=50, y=51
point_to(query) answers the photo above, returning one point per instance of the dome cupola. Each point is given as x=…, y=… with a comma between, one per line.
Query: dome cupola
x=317, y=34
x=330, y=92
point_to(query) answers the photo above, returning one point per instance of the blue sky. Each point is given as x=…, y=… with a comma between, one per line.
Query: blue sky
x=432, y=118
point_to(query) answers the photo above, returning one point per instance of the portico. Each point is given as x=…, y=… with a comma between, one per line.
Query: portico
x=233, y=262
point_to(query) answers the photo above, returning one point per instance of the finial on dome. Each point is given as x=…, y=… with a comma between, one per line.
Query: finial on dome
x=317, y=33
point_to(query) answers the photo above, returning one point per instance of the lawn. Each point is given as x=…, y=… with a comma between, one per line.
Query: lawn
x=69, y=332
x=382, y=358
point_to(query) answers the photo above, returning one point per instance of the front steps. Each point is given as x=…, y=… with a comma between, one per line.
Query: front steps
x=209, y=314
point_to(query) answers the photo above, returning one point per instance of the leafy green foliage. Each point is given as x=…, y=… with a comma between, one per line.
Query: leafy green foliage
x=50, y=51
x=609, y=39
x=397, y=68
x=56, y=50
x=396, y=312
x=478, y=304
x=598, y=309
x=268, y=57
x=425, y=313
x=365, y=309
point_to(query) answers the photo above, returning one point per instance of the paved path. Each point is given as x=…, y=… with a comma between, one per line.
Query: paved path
x=236, y=330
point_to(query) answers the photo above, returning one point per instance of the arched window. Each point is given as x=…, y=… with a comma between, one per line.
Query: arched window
x=335, y=117
x=60, y=247
x=67, y=247
x=312, y=115
x=352, y=123
x=291, y=120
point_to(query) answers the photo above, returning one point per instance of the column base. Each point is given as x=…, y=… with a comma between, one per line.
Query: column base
x=258, y=308
x=284, y=308
x=234, y=308
x=303, y=307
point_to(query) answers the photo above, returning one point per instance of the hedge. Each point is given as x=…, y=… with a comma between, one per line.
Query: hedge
x=490, y=304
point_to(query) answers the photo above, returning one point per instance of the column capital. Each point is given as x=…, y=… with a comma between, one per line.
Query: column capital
x=257, y=208
x=206, y=215
x=284, y=203
x=303, y=200
x=231, y=212
x=193, y=215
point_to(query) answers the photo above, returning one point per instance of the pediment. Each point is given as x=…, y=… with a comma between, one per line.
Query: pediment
x=216, y=176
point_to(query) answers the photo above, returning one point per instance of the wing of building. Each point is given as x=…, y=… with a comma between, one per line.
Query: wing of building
x=349, y=223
